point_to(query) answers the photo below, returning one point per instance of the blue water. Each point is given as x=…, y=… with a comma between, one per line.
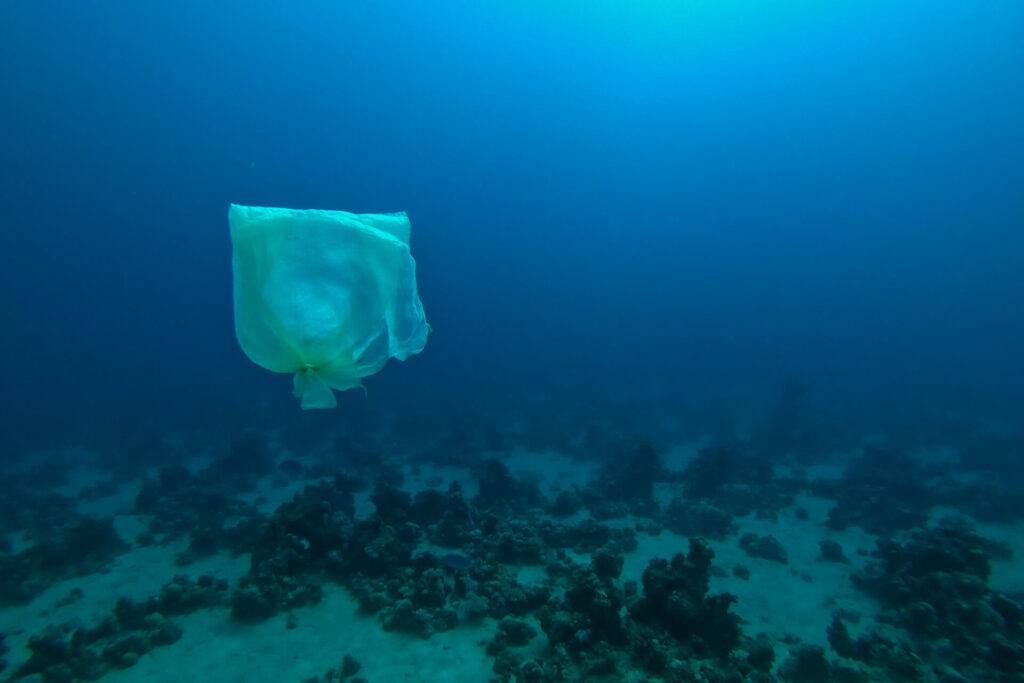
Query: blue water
x=628, y=209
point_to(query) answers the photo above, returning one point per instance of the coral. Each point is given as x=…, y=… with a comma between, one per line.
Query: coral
x=599, y=629
x=500, y=492
x=806, y=664
x=832, y=552
x=732, y=481
x=697, y=518
x=675, y=600
x=566, y=503
x=77, y=547
x=934, y=588
x=627, y=479
x=881, y=491
x=119, y=640
x=393, y=505
x=764, y=547
x=179, y=596
x=405, y=616
x=198, y=507
x=715, y=467
x=307, y=537
x=458, y=520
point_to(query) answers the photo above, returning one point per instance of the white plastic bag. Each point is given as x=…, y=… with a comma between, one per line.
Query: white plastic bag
x=326, y=295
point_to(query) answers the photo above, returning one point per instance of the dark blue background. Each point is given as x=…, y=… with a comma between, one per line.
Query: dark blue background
x=612, y=198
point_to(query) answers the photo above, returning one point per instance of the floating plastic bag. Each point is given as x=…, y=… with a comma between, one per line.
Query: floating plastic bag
x=326, y=295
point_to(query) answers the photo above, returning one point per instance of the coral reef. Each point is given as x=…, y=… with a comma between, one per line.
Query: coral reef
x=77, y=546
x=933, y=588
x=764, y=547
x=307, y=537
x=832, y=551
x=625, y=483
x=880, y=491
x=78, y=652
x=198, y=507
x=601, y=630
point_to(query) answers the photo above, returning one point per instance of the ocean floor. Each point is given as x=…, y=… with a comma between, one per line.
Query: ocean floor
x=792, y=602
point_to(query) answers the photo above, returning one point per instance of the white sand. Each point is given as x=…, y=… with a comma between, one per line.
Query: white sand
x=216, y=649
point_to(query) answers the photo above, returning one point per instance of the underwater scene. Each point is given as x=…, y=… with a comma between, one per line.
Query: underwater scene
x=533, y=341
